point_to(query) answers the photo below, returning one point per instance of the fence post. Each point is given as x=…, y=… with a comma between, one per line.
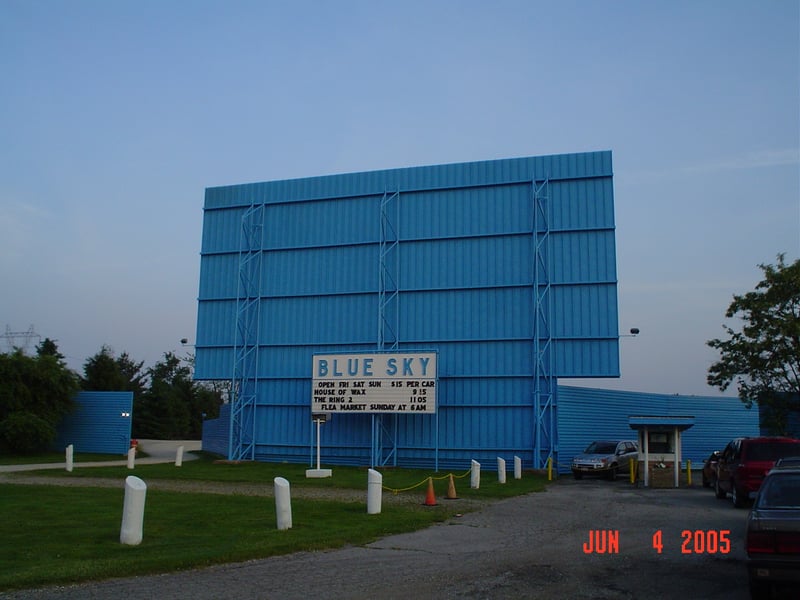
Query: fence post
x=374, y=492
x=283, y=503
x=130, y=532
x=475, y=475
x=501, y=470
x=69, y=456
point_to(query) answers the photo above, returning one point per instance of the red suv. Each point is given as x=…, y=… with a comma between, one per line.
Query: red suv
x=744, y=463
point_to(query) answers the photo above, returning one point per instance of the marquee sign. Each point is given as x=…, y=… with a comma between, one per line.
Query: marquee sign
x=391, y=382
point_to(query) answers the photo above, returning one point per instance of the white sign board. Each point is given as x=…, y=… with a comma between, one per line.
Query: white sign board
x=385, y=382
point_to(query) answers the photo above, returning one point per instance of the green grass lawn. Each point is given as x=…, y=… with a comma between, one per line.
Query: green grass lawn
x=65, y=534
x=53, y=534
x=208, y=468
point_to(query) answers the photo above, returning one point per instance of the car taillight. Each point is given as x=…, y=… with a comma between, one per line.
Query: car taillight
x=771, y=542
x=787, y=542
x=760, y=542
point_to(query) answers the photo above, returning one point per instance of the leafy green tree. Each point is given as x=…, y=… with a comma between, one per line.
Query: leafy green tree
x=48, y=347
x=763, y=359
x=35, y=395
x=105, y=372
x=173, y=406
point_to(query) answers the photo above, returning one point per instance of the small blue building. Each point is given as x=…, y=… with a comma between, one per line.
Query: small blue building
x=100, y=423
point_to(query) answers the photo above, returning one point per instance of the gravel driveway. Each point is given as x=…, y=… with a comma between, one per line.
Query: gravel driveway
x=526, y=547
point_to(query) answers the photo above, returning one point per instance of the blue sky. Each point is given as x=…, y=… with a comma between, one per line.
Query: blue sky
x=115, y=117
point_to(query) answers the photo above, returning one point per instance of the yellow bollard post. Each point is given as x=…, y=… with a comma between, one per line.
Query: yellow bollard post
x=550, y=469
x=689, y=473
x=632, y=472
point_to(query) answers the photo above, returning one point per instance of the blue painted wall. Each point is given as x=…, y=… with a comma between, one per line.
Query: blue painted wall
x=465, y=274
x=98, y=423
x=216, y=432
x=586, y=414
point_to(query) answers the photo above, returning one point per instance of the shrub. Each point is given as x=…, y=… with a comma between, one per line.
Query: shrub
x=25, y=433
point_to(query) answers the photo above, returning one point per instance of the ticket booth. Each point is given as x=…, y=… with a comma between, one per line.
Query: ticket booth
x=660, y=448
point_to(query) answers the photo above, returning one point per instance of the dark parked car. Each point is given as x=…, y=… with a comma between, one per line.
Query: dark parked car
x=710, y=469
x=744, y=463
x=605, y=458
x=773, y=533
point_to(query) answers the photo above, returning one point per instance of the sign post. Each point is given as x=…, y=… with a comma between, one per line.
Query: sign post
x=378, y=383
x=319, y=419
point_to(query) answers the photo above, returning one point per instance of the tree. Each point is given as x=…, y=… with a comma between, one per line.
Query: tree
x=105, y=372
x=48, y=347
x=174, y=405
x=764, y=357
x=35, y=395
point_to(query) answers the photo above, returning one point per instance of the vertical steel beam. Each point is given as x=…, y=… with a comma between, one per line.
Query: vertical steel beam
x=244, y=388
x=544, y=380
x=388, y=313
x=389, y=272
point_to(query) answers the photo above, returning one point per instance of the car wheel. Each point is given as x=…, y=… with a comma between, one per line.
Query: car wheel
x=612, y=473
x=738, y=500
x=706, y=482
x=578, y=475
x=718, y=490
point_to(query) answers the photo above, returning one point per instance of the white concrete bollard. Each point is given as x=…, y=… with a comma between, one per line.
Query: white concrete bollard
x=517, y=467
x=131, y=457
x=283, y=503
x=501, y=470
x=133, y=511
x=179, y=456
x=374, y=492
x=475, y=475
x=69, y=457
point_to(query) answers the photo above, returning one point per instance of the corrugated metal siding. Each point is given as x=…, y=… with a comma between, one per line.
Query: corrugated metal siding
x=465, y=267
x=216, y=432
x=586, y=414
x=788, y=424
x=98, y=423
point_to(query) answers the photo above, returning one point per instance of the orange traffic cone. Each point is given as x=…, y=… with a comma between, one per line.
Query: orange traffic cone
x=451, y=489
x=430, y=498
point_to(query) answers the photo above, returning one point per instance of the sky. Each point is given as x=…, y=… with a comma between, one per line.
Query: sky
x=116, y=116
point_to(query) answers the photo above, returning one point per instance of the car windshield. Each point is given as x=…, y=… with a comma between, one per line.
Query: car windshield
x=780, y=490
x=771, y=451
x=601, y=448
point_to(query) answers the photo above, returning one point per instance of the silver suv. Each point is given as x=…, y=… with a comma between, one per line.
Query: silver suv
x=605, y=458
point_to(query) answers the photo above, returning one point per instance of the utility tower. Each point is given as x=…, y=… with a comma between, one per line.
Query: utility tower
x=20, y=339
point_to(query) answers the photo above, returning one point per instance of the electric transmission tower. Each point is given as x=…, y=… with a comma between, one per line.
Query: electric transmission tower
x=25, y=338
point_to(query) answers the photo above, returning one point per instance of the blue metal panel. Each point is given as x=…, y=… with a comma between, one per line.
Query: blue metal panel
x=216, y=432
x=587, y=414
x=463, y=285
x=101, y=423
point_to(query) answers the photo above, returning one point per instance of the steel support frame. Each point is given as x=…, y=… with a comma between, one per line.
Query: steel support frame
x=388, y=319
x=244, y=388
x=544, y=380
